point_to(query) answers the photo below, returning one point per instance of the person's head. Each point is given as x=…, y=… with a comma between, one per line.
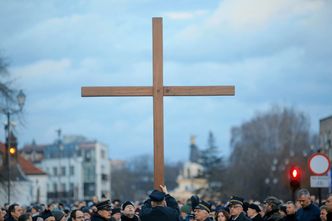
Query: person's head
x=47, y=216
x=271, y=204
x=15, y=211
x=328, y=203
x=235, y=206
x=116, y=203
x=94, y=199
x=282, y=210
x=323, y=213
x=51, y=206
x=25, y=217
x=116, y=214
x=128, y=209
x=36, y=209
x=253, y=210
x=290, y=208
x=3, y=213
x=157, y=198
x=87, y=213
x=222, y=215
x=58, y=215
x=202, y=211
x=303, y=197
x=104, y=209
x=185, y=210
x=77, y=215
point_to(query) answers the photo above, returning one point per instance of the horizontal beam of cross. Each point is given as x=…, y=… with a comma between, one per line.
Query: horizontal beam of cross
x=167, y=91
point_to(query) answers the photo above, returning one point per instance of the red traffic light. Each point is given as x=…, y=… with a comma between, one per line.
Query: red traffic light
x=295, y=177
x=295, y=173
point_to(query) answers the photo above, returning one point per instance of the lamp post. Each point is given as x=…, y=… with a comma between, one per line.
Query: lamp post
x=9, y=111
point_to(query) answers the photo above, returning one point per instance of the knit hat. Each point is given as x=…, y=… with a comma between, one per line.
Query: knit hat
x=58, y=214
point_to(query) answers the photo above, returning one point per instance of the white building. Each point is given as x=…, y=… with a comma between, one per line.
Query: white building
x=78, y=169
x=189, y=181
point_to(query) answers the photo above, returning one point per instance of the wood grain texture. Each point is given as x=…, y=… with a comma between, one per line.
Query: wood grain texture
x=115, y=91
x=199, y=91
x=158, y=102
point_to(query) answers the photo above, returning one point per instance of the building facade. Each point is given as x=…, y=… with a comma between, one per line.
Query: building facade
x=78, y=169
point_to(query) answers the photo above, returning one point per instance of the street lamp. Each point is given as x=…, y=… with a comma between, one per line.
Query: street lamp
x=9, y=137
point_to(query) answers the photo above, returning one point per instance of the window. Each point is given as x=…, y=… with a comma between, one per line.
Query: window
x=71, y=187
x=63, y=171
x=104, y=177
x=63, y=187
x=71, y=170
x=55, y=187
x=102, y=153
x=87, y=156
x=55, y=171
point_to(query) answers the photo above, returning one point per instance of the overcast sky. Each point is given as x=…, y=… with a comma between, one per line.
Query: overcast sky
x=274, y=52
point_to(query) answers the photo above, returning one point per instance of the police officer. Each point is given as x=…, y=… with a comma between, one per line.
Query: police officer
x=253, y=212
x=160, y=206
x=103, y=211
x=236, y=209
x=202, y=211
x=272, y=209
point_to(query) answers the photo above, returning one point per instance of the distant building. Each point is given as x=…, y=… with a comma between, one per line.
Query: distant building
x=190, y=180
x=77, y=168
x=27, y=182
x=195, y=153
x=33, y=152
x=118, y=164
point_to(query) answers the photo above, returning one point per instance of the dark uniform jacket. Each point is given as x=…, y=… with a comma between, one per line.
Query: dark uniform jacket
x=273, y=215
x=329, y=216
x=309, y=213
x=241, y=217
x=161, y=213
x=290, y=217
x=126, y=218
x=258, y=217
x=97, y=217
x=10, y=218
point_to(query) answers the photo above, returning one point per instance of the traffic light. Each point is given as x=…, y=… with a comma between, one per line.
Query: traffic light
x=11, y=144
x=12, y=151
x=295, y=174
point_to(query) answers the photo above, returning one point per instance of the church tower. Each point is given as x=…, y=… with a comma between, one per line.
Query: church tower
x=194, y=151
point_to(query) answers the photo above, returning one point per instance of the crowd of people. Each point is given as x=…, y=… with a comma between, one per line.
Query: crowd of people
x=161, y=206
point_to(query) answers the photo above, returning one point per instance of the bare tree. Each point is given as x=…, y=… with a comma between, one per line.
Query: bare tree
x=6, y=92
x=263, y=149
x=135, y=179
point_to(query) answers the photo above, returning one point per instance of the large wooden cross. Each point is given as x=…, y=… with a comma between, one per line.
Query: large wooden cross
x=158, y=91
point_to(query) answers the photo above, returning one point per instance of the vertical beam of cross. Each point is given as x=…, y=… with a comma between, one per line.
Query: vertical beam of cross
x=158, y=101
